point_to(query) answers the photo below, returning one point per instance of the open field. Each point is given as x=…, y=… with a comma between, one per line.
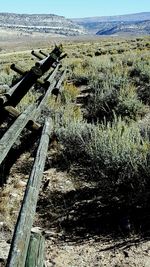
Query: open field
x=94, y=210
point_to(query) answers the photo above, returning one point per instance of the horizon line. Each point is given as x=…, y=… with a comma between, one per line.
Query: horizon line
x=17, y=13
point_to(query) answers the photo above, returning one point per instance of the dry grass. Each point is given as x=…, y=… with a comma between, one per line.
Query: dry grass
x=107, y=66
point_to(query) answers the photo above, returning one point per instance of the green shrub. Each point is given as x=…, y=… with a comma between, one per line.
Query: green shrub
x=118, y=149
x=114, y=93
x=114, y=153
x=141, y=71
x=5, y=77
x=129, y=105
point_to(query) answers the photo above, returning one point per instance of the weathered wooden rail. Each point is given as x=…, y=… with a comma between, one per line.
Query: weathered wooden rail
x=26, y=119
x=19, y=246
x=14, y=131
x=27, y=249
x=18, y=91
x=39, y=56
x=43, y=53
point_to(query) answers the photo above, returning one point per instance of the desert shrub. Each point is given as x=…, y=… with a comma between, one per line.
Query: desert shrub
x=102, y=102
x=69, y=93
x=147, y=45
x=113, y=157
x=118, y=147
x=65, y=114
x=120, y=50
x=114, y=93
x=129, y=105
x=77, y=72
x=74, y=135
x=97, y=53
x=6, y=77
x=100, y=64
x=140, y=76
x=141, y=73
x=114, y=154
x=143, y=92
x=111, y=84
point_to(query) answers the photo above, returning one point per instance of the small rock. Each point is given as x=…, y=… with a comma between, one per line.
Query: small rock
x=36, y=230
x=125, y=254
x=20, y=184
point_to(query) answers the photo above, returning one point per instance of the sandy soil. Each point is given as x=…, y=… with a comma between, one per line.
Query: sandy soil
x=63, y=249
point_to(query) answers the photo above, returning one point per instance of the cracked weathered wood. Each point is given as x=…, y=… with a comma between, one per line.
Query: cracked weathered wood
x=48, y=93
x=53, y=57
x=43, y=102
x=61, y=79
x=22, y=72
x=35, y=254
x=52, y=75
x=13, y=112
x=21, y=237
x=8, y=139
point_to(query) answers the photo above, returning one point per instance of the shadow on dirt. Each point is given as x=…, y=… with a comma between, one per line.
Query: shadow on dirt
x=83, y=214
x=27, y=142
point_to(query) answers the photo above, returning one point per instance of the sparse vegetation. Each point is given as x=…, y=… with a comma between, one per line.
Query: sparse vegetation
x=104, y=144
x=112, y=148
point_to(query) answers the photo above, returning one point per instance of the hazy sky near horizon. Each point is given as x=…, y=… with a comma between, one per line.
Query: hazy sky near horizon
x=76, y=8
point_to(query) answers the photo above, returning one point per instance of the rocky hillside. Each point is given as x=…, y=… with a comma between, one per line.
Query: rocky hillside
x=125, y=24
x=139, y=27
x=136, y=24
x=44, y=23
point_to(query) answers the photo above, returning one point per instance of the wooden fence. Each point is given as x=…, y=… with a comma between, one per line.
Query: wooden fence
x=27, y=249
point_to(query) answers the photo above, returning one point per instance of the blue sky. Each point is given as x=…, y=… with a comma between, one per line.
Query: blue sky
x=76, y=8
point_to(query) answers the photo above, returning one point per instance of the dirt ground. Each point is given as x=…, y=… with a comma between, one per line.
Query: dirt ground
x=69, y=251
x=65, y=247
x=97, y=254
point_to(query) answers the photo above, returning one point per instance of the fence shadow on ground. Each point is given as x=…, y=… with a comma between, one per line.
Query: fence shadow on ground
x=28, y=142
x=84, y=214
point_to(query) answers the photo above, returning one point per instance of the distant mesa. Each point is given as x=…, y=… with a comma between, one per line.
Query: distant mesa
x=130, y=28
x=133, y=24
x=40, y=23
x=137, y=24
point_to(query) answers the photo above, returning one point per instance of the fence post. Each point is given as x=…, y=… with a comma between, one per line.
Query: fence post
x=35, y=254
